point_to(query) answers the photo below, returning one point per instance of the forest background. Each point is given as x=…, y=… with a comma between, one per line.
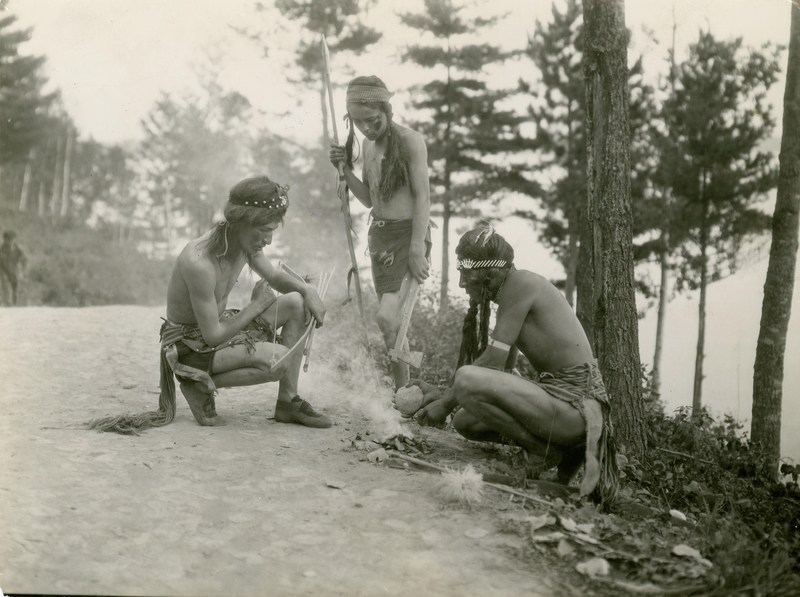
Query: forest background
x=160, y=108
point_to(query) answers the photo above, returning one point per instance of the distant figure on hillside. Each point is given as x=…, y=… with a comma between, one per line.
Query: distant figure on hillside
x=12, y=267
x=394, y=183
x=207, y=346
x=562, y=417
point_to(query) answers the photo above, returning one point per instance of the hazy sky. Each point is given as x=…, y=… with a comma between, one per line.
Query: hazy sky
x=112, y=58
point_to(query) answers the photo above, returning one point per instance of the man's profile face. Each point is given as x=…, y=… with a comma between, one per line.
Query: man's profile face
x=472, y=280
x=371, y=122
x=255, y=238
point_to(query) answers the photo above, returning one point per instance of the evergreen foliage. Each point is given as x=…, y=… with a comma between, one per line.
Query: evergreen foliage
x=464, y=123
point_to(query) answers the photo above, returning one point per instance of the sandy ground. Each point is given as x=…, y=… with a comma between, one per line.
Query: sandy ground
x=240, y=510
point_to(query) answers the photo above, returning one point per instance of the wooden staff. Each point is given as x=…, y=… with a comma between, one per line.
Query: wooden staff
x=344, y=196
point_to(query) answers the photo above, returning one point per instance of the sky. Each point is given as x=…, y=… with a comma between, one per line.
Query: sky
x=112, y=59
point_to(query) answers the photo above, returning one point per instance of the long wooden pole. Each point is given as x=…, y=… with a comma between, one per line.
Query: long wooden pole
x=344, y=193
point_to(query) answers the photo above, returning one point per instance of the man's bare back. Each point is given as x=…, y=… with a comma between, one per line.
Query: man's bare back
x=550, y=336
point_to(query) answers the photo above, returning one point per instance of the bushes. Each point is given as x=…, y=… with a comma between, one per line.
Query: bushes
x=77, y=267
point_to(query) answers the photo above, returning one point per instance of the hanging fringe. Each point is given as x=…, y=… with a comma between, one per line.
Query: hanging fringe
x=132, y=424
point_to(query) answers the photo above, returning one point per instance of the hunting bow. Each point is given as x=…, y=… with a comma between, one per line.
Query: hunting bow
x=343, y=192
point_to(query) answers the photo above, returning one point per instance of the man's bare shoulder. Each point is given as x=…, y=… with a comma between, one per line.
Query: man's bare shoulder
x=194, y=259
x=411, y=139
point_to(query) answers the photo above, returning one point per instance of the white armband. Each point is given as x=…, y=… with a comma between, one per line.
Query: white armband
x=501, y=345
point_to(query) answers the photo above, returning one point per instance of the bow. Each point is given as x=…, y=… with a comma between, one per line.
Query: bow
x=343, y=192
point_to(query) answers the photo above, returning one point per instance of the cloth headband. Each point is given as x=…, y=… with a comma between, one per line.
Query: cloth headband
x=278, y=198
x=361, y=94
x=471, y=264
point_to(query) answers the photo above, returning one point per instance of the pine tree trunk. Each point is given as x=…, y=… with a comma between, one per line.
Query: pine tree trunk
x=65, y=178
x=778, y=289
x=697, y=394
x=41, y=199
x=26, y=181
x=573, y=257
x=610, y=222
x=168, y=222
x=444, y=296
x=56, y=188
x=662, y=312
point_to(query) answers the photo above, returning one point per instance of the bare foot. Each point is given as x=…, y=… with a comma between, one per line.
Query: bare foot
x=202, y=405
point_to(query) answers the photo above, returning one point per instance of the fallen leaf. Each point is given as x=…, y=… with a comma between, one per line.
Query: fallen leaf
x=568, y=524
x=586, y=528
x=594, y=567
x=565, y=548
x=476, y=533
x=548, y=538
x=537, y=522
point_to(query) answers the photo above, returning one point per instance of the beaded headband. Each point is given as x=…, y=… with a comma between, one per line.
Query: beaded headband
x=278, y=199
x=471, y=264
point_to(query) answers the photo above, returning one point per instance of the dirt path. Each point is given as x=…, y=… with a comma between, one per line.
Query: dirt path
x=239, y=510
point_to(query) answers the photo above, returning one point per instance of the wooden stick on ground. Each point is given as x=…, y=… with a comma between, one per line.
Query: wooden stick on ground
x=442, y=469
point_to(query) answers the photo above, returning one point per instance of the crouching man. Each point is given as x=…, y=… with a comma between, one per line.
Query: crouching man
x=562, y=417
x=207, y=346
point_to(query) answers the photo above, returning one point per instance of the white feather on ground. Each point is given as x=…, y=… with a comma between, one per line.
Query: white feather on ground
x=464, y=486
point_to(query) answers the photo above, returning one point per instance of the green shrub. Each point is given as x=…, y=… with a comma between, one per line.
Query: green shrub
x=75, y=266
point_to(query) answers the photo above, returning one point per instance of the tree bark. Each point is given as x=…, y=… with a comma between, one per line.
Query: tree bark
x=26, y=181
x=663, y=291
x=778, y=287
x=65, y=178
x=609, y=218
x=41, y=199
x=444, y=296
x=56, y=188
x=697, y=393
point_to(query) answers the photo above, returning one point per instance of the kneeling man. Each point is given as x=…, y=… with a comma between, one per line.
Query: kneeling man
x=207, y=346
x=562, y=417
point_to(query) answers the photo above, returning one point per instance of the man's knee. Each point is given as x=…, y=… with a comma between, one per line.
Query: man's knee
x=293, y=305
x=467, y=383
x=388, y=323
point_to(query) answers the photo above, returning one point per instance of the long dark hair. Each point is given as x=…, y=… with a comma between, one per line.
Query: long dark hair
x=395, y=165
x=479, y=244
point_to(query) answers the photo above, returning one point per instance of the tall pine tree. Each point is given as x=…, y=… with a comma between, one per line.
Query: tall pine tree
x=715, y=119
x=464, y=123
x=778, y=287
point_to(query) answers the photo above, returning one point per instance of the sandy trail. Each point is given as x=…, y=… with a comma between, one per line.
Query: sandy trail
x=186, y=510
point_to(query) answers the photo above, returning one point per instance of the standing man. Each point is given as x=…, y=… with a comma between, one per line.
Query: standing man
x=208, y=347
x=394, y=184
x=562, y=417
x=12, y=267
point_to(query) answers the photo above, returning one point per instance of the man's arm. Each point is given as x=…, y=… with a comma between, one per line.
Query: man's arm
x=285, y=283
x=420, y=194
x=518, y=294
x=201, y=281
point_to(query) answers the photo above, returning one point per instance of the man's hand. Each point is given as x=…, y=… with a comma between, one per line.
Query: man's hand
x=314, y=307
x=434, y=415
x=337, y=155
x=417, y=264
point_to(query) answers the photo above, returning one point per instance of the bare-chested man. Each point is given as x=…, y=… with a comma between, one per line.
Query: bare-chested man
x=560, y=418
x=208, y=347
x=394, y=184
